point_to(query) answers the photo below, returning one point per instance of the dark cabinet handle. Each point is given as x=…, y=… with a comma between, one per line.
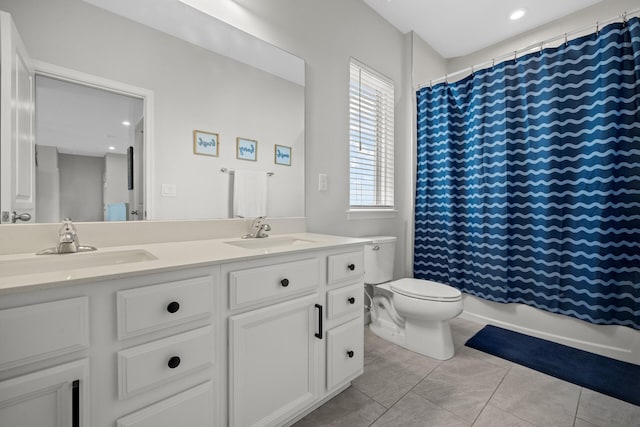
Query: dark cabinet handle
x=351, y=300
x=351, y=267
x=173, y=306
x=319, y=334
x=75, y=403
x=284, y=282
x=174, y=362
x=350, y=353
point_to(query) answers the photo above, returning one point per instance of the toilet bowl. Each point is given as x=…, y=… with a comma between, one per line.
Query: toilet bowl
x=412, y=313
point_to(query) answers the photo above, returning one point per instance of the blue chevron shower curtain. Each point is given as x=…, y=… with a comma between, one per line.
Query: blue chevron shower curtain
x=528, y=182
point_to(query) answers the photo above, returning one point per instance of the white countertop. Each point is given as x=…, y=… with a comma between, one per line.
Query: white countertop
x=170, y=256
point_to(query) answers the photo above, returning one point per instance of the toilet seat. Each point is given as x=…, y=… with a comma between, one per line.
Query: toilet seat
x=426, y=290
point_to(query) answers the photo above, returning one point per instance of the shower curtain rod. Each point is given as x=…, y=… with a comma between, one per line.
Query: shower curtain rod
x=530, y=48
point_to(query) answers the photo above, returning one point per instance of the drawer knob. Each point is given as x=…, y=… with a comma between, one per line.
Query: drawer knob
x=173, y=306
x=284, y=282
x=174, y=362
x=351, y=300
x=351, y=267
x=350, y=353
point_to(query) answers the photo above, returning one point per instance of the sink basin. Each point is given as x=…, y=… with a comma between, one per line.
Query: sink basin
x=268, y=242
x=65, y=262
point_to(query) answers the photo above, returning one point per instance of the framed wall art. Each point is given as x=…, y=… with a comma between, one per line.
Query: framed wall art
x=282, y=155
x=205, y=143
x=246, y=149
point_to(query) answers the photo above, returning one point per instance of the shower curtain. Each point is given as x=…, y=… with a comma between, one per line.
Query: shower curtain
x=528, y=181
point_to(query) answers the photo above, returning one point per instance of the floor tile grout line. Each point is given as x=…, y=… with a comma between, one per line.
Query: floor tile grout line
x=575, y=415
x=491, y=397
x=403, y=396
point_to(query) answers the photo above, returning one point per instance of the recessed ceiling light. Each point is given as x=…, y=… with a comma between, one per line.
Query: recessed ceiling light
x=126, y=123
x=517, y=14
x=112, y=148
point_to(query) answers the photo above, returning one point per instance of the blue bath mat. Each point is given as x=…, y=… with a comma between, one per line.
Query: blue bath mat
x=602, y=374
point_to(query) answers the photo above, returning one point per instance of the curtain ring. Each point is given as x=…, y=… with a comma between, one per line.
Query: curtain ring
x=493, y=62
x=541, y=47
x=472, y=70
x=446, y=79
x=515, y=56
x=597, y=28
x=566, y=41
x=430, y=84
x=624, y=19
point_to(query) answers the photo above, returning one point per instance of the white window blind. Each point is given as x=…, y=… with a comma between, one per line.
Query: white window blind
x=371, y=106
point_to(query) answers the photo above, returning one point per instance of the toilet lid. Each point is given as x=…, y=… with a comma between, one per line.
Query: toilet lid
x=426, y=289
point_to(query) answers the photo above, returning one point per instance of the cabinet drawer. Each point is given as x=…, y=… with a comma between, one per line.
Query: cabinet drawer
x=151, y=308
x=193, y=408
x=152, y=364
x=274, y=282
x=345, y=350
x=345, y=267
x=40, y=331
x=345, y=300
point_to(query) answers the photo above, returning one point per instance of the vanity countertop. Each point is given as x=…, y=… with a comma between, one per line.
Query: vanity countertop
x=168, y=256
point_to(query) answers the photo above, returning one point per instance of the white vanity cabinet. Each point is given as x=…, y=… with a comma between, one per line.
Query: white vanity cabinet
x=296, y=338
x=137, y=351
x=257, y=340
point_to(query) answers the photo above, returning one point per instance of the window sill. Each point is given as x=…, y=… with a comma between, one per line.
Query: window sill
x=357, y=214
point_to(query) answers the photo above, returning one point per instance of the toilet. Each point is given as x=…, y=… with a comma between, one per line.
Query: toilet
x=412, y=313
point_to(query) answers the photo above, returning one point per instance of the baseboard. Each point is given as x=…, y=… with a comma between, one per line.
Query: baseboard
x=618, y=342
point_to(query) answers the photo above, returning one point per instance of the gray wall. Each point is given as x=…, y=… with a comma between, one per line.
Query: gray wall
x=81, y=187
x=326, y=34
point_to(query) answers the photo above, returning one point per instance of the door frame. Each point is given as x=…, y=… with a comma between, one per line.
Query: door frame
x=78, y=77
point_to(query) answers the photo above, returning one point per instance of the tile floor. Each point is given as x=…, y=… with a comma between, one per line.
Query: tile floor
x=401, y=388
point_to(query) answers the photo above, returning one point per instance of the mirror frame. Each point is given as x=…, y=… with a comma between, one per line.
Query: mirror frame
x=72, y=76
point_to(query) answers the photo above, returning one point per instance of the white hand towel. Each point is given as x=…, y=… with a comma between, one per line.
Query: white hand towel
x=249, y=194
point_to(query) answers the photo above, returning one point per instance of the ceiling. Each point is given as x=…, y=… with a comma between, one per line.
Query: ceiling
x=83, y=120
x=460, y=27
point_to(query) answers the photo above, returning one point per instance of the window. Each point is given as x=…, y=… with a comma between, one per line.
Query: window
x=371, y=107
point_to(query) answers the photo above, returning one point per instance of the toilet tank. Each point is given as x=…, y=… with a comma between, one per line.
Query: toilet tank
x=379, y=256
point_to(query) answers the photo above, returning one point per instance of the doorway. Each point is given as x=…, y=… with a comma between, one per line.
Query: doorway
x=89, y=151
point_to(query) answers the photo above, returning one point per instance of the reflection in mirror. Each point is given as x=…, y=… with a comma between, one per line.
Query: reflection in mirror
x=83, y=136
x=191, y=87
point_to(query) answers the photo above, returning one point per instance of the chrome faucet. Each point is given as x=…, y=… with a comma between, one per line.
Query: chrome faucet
x=258, y=229
x=68, y=241
x=68, y=238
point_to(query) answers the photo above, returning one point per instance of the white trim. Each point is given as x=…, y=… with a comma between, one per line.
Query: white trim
x=74, y=76
x=360, y=214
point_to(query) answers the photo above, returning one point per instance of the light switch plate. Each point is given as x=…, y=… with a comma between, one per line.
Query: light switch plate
x=322, y=182
x=168, y=190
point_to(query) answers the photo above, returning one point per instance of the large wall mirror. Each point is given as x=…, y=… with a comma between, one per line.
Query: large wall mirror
x=141, y=151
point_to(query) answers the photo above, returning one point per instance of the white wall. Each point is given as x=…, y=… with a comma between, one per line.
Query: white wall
x=193, y=89
x=116, y=182
x=48, y=185
x=326, y=34
x=81, y=187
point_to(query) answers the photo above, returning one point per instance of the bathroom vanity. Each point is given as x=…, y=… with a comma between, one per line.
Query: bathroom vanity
x=254, y=332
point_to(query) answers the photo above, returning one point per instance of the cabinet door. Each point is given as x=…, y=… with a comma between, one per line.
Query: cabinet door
x=273, y=357
x=345, y=352
x=55, y=397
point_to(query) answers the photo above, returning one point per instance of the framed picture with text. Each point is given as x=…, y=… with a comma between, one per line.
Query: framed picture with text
x=205, y=143
x=246, y=149
x=282, y=155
